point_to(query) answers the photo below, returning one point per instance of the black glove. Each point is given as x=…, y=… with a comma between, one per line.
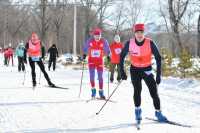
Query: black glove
x=84, y=56
x=108, y=58
x=123, y=75
x=158, y=79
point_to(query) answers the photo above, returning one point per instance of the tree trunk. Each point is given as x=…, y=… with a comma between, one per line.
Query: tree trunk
x=177, y=37
x=58, y=38
x=198, y=45
x=175, y=18
x=43, y=23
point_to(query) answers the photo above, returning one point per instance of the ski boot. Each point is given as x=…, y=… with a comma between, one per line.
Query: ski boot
x=101, y=94
x=118, y=79
x=160, y=116
x=34, y=84
x=138, y=113
x=93, y=93
x=138, y=117
x=51, y=84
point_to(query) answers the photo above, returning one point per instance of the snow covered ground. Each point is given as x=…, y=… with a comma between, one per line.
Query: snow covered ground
x=50, y=110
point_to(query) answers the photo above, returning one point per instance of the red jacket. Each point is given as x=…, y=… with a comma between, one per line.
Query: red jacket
x=116, y=49
x=10, y=51
x=96, y=52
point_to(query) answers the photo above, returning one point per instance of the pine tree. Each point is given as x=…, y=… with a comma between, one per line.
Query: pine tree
x=185, y=61
x=167, y=57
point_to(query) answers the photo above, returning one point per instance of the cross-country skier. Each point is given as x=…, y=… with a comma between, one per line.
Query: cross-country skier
x=115, y=48
x=35, y=55
x=20, y=53
x=6, y=55
x=95, y=47
x=53, y=54
x=10, y=54
x=141, y=49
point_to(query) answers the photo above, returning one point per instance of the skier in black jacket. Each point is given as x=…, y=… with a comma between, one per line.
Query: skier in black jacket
x=53, y=52
x=141, y=49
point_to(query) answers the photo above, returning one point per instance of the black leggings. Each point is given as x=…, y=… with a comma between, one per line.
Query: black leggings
x=112, y=70
x=42, y=68
x=21, y=64
x=54, y=63
x=136, y=78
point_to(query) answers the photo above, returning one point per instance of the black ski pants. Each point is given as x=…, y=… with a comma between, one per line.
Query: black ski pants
x=112, y=70
x=136, y=78
x=54, y=63
x=42, y=68
x=21, y=65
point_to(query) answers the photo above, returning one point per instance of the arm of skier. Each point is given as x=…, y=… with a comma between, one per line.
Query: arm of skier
x=158, y=61
x=106, y=48
x=123, y=54
x=85, y=48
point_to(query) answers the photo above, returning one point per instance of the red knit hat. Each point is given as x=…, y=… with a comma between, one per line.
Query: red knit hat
x=138, y=27
x=97, y=31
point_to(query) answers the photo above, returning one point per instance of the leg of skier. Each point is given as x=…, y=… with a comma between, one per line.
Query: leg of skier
x=136, y=81
x=100, y=77
x=42, y=68
x=92, y=79
x=151, y=84
x=32, y=65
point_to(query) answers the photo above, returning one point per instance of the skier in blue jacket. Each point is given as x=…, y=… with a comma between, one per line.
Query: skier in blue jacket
x=19, y=52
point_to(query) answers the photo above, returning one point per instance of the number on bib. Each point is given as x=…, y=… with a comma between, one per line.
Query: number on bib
x=95, y=53
x=35, y=58
x=118, y=50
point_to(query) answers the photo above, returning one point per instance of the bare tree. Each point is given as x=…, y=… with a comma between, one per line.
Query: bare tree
x=91, y=15
x=41, y=19
x=177, y=8
x=17, y=23
x=44, y=21
x=103, y=5
x=57, y=20
x=133, y=10
x=163, y=14
x=118, y=18
x=198, y=29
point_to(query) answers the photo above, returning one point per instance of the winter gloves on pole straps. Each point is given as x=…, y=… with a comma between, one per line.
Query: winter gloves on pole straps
x=158, y=79
x=84, y=56
x=108, y=58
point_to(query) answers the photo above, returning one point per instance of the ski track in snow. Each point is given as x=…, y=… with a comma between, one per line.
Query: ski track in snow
x=51, y=110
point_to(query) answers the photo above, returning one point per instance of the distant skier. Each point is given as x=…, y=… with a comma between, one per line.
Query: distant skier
x=116, y=48
x=53, y=54
x=35, y=55
x=95, y=47
x=6, y=55
x=140, y=51
x=10, y=53
x=20, y=53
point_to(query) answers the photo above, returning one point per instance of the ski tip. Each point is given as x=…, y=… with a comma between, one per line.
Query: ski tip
x=97, y=113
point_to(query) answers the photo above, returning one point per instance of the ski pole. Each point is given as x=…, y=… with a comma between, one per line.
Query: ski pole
x=108, y=82
x=109, y=97
x=24, y=74
x=24, y=77
x=40, y=77
x=81, y=79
